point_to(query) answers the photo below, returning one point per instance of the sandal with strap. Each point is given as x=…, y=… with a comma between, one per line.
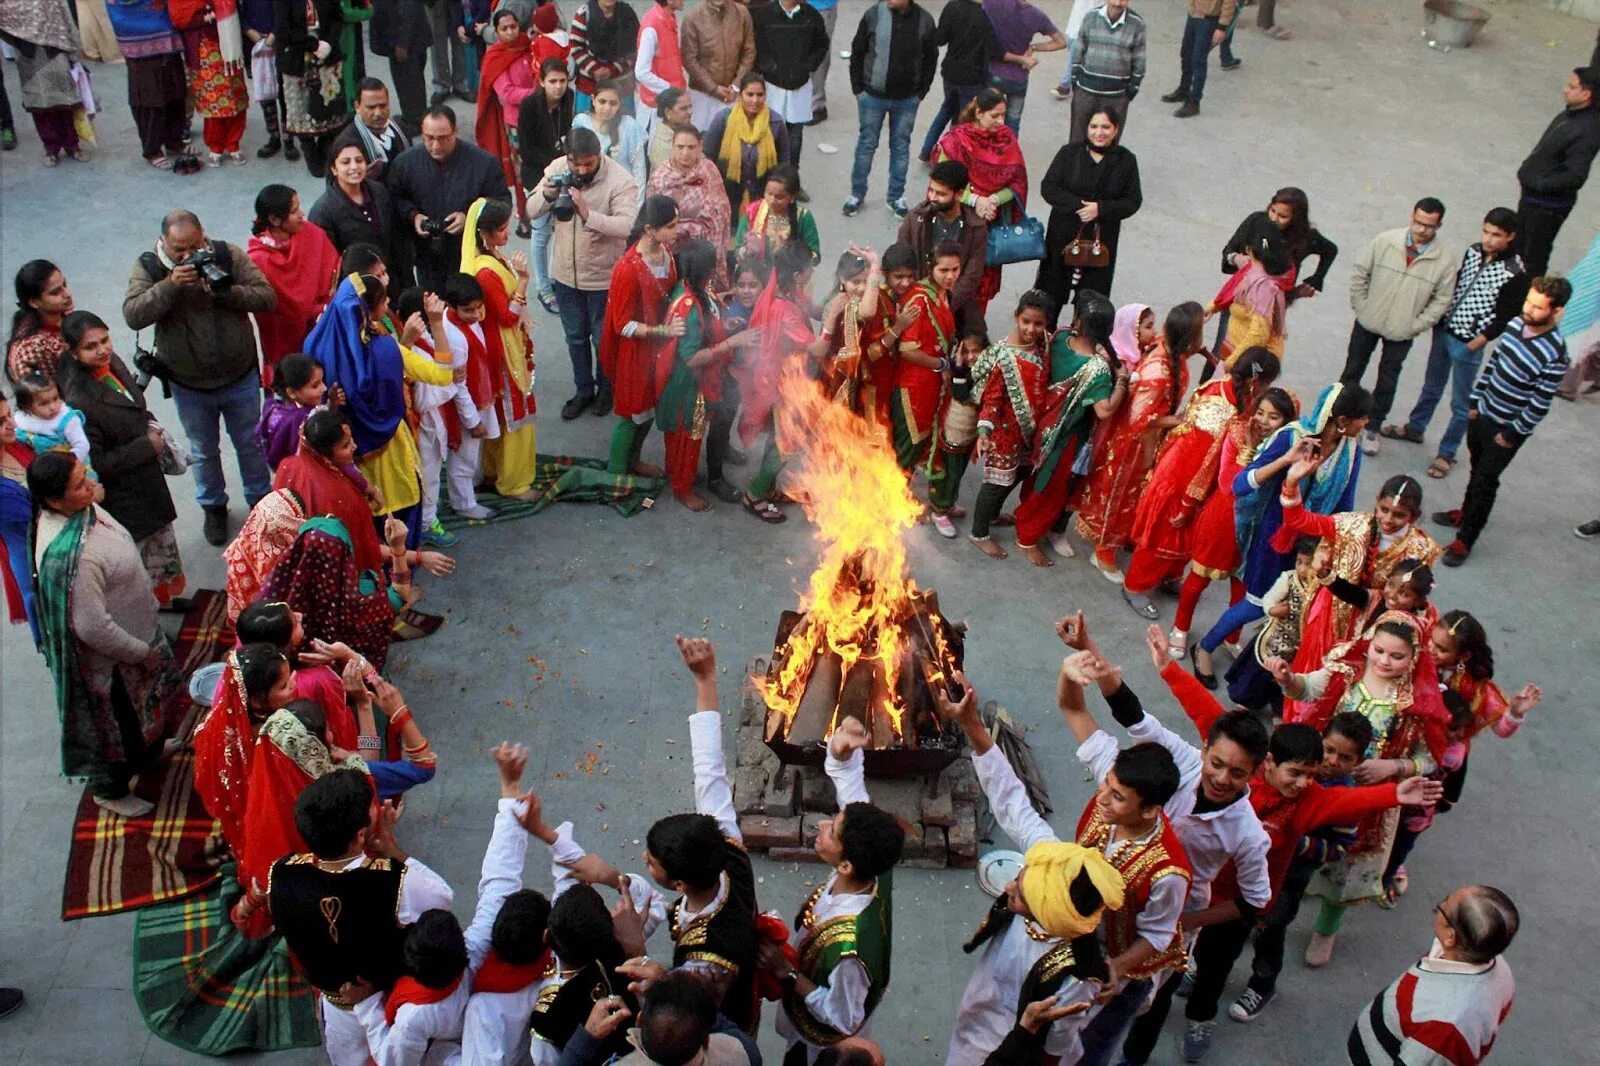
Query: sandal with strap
x=1441, y=466
x=160, y=162
x=1405, y=433
x=765, y=510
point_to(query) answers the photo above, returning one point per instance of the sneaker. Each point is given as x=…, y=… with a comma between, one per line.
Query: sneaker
x=1447, y=518
x=1061, y=92
x=1177, y=644
x=1457, y=552
x=436, y=536
x=898, y=206
x=1185, y=985
x=237, y=159
x=1197, y=1040
x=10, y=998
x=1588, y=530
x=1248, y=1007
x=942, y=523
x=478, y=513
x=214, y=158
x=129, y=806
x=1062, y=545
x=1369, y=442
x=851, y=206
x=575, y=407
x=216, y=526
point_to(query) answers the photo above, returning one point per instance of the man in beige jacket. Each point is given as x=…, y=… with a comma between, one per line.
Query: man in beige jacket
x=719, y=48
x=1401, y=286
x=583, y=250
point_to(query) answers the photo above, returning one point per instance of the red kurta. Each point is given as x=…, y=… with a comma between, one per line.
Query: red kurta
x=1214, y=544
x=1110, y=494
x=1009, y=404
x=920, y=388
x=880, y=371
x=497, y=315
x=1185, y=473
x=637, y=295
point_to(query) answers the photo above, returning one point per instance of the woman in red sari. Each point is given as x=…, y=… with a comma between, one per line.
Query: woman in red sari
x=636, y=331
x=303, y=266
x=315, y=474
x=1124, y=452
x=1214, y=543
x=1185, y=475
x=997, y=175
x=505, y=79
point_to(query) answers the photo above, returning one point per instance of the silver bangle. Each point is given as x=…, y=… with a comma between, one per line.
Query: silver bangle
x=369, y=742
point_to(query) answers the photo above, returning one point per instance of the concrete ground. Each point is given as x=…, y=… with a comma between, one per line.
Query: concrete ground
x=560, y=627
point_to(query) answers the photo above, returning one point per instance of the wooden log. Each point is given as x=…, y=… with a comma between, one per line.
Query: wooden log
x=814, y=716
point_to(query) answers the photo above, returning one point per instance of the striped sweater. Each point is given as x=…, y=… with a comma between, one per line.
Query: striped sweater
x=1108, y=60
x=1519, y=378
x=1439, y=1013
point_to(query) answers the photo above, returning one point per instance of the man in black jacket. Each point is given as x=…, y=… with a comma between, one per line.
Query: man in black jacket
x=791, y=43
x=888, y=83
x=437, y=181
x=400, y=33
x=967, y=36
x=1557, y=168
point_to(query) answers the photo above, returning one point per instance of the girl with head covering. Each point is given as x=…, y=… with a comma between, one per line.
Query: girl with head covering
x=1124, y=453
x=301, y=263
x=695, y=184
x=339, y=601
x=1330, y=428
x=1388, y=678
x=45, y=36
x=267, y=533
x=511, y=452
x=506, y=78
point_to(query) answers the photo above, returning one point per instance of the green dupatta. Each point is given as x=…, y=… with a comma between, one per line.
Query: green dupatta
x=75, y=703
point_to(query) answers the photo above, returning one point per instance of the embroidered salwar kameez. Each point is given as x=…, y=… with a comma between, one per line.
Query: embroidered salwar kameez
x=1066, y=418
x=684, y=391
x=919, y=391
x=628, y=353
x=511, y=455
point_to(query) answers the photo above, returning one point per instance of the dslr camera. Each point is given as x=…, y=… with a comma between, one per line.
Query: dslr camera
x=562, y=206
x=213, y=269
x=433, y=229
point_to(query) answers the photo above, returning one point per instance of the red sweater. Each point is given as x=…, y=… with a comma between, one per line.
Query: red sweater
x=1285, y=820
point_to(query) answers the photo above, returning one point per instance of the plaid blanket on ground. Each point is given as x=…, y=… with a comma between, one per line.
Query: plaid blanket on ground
x=205, y=987
x=119, y=864
x=567, y=479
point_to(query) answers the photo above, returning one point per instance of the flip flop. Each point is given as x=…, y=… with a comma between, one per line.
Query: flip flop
x=1441, y=466
x=1405, y=433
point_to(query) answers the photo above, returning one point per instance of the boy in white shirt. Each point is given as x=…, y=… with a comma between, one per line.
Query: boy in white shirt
x=452, y=410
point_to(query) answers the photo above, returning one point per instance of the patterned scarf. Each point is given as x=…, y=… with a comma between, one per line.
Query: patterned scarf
x=40, y=22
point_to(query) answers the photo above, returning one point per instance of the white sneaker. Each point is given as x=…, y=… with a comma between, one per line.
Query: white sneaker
x=1369, y=442
x=1177, y=643
x=1062, y=545
x=129, y=806
x=477, y=513
x=942, y=523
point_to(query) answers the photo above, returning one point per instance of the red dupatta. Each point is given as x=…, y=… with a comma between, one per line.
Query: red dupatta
x=224, y=744
x=784, y=330
x=324, y=489
x=993, y=159
x=490, y=130
x=302, y=271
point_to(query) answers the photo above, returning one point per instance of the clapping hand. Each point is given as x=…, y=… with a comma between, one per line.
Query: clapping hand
x=1526, y=699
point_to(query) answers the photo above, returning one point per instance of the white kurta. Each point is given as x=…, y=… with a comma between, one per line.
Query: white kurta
x=987, y=1010
x=842, y=1002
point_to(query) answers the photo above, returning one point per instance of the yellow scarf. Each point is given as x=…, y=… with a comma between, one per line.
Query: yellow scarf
x=1047, y=878
x=512, y=338
x=743, y=130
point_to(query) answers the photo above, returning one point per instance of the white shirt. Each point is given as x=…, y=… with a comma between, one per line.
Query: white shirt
x=1158, y=921
x=987, y=1010
x=432, y=1032
x=842, y=1002
x=644, y=65
x=1213, y=838
x=427, y=397
x=713, y=795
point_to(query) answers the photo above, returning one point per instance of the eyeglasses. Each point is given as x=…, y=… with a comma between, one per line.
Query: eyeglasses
x=1439, y=907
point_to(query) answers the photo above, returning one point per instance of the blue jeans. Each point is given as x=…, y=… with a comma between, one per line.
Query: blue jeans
x=956, y=97
x=1066, y=73
x=539, y=252
x=1225, y=49
x=583, y=316
x=239, y=406
x=1016, y=93
x=870, y=112
x=1105, y=1029
x=1195, y=55
x=1451, y=359
x=1237, y=616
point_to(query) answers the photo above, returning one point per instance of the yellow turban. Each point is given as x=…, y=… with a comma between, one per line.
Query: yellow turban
x=1047, y=877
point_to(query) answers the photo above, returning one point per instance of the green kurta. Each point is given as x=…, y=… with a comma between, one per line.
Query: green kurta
x=1077, y=383
x=681, y=407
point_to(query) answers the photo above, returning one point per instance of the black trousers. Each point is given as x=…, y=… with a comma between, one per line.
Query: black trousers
x=1537, y=235
x=1489, y=461
x=1268, y=962
x=1362, y=344
x=410, y=88
x=1216, y=949
x=1146, y=1028
x=720, y=432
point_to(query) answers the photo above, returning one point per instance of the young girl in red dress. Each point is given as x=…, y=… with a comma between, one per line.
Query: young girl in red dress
x=636, y=331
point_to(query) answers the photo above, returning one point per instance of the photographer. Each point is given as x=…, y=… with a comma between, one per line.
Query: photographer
x=198, y=293
x=593, y=200
x=433, y=184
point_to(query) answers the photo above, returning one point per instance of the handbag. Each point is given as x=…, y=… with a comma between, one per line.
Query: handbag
x=174, y=459
x=1015, y=242
x=263, y=71
x=1087, y=251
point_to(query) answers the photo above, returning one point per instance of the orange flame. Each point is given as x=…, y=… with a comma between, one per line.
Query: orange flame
x=844, y=472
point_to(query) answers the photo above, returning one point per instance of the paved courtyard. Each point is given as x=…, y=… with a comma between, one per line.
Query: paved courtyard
x=560, y=627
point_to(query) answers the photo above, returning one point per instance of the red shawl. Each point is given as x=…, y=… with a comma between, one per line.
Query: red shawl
x=302, y=270
x=637, y=295
x=784, y=331
x=993, y=159
x=277, y=777
x=327, y=490
x=498, y=975
x=410, y=990
x=224, y=743
x=490, y=130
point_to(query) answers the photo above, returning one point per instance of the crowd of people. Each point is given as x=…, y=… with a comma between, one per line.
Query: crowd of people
x=373, y=352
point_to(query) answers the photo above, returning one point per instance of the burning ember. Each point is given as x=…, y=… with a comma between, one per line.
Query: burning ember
x=867, y=642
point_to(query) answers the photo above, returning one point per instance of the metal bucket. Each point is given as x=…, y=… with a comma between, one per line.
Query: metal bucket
x=1452, y=24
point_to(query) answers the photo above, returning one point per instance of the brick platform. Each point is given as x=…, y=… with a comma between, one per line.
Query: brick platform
x=779, y=806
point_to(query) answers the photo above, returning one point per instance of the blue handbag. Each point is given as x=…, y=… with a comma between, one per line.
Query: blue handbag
x=1015, y=242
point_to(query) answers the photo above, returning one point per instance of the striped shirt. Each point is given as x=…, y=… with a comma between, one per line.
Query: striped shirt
x=1107, y=57
x=1439, y=1013
x=1519, y=378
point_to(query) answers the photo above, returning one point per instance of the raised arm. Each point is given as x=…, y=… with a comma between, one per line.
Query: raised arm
x=508, y=849
x=846, y=764
x=1008, y=797
x=713, y=791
